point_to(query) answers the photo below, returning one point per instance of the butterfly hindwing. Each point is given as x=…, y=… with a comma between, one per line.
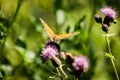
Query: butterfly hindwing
x=48, y=30
x=63, y=36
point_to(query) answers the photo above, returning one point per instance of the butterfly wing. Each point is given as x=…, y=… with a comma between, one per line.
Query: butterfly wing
x=48, y=30
x=63, y=36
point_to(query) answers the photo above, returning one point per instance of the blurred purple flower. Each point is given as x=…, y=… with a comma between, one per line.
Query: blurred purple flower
x=107, y=11
x=80, y=64
x=49, y=52
x=51, y=49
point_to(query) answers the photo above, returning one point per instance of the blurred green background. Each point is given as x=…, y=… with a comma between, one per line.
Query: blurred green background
x=22, y=37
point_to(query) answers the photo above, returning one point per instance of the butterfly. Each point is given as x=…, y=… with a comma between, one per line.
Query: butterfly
x=52, y=35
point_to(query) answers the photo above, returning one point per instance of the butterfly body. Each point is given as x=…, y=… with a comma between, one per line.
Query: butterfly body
x=52, y=35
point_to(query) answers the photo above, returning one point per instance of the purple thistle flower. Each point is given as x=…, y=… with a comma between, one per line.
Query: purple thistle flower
x=49, y=53
x=80, y=64
x=107, y=11
x=51, y=49
x=110, y=15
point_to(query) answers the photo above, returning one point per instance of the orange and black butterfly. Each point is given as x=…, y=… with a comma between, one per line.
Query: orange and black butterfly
x=52, y=35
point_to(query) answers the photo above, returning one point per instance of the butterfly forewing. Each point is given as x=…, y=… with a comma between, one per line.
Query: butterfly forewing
x=48, y=30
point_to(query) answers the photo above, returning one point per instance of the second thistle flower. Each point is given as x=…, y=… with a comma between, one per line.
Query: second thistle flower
x=110, y=15
x=78, y=64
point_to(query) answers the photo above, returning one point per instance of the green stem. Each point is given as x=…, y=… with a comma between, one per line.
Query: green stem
x=62, y=72
x=11, y=23
x=16, y=12
x=111, y=59
x=58, y=72
x=59, y=75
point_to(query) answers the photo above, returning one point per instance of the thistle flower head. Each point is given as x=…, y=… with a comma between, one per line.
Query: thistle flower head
x=107, y=11
x=51, y=49
x=80, y=64
x=49, y=53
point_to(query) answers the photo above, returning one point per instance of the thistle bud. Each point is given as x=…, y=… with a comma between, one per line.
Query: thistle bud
x=105, y=28
x=69, y=59
x=63, y=55
x=98, y=19
x=108, y=20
